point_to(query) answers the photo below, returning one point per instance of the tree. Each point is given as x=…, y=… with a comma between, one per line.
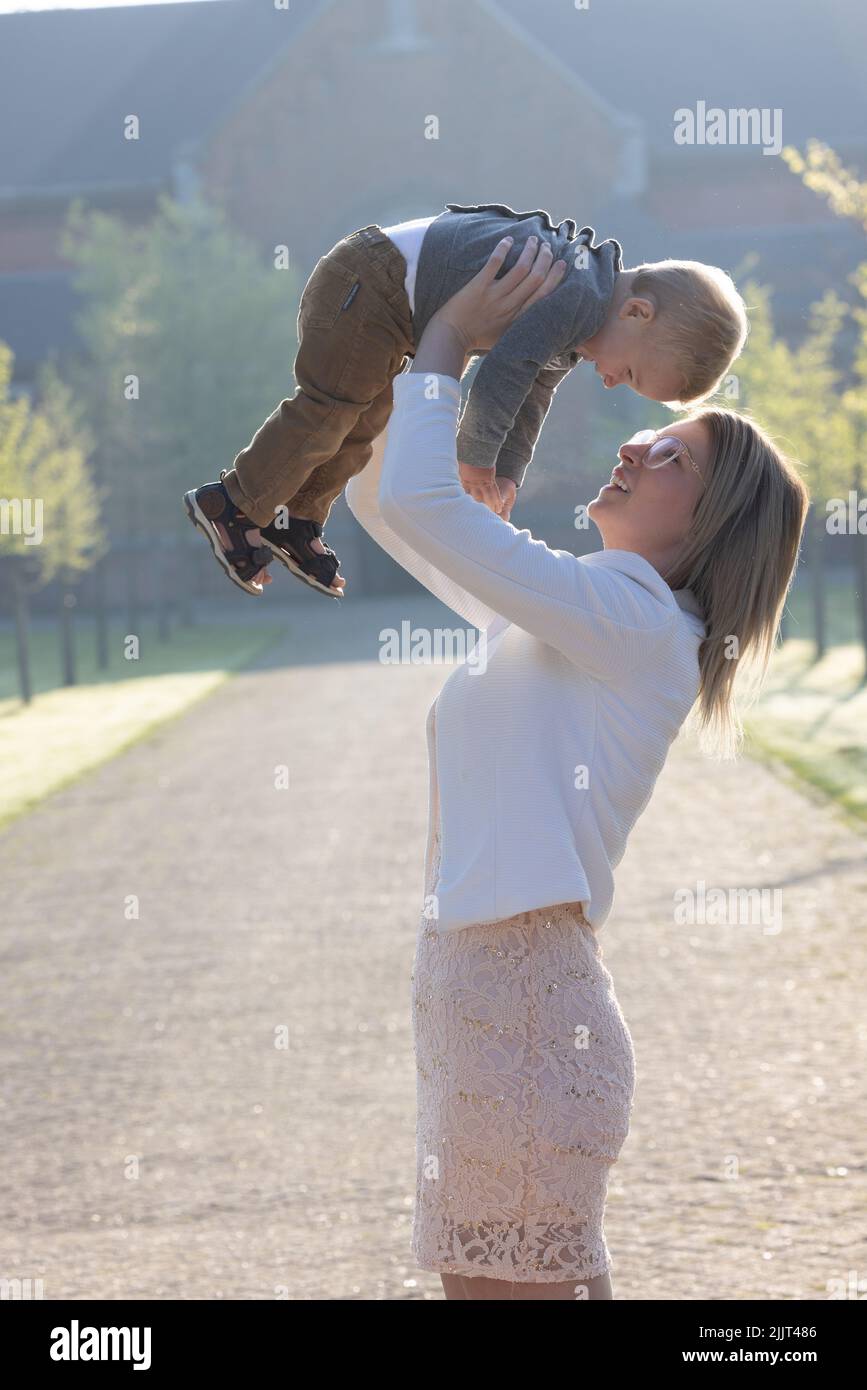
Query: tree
x=49, y=514
x=822, y=170
x=793, y=392
x=189, y=341
x=77, y=541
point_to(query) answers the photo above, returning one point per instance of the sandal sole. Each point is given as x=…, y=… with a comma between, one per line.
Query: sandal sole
x=294, y=568
x=210, y=532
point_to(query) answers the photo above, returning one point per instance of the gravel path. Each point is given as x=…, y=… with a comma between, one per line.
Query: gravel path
x=215, y=1098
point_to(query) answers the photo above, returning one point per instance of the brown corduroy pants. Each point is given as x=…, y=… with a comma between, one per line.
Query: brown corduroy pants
x=354, y=334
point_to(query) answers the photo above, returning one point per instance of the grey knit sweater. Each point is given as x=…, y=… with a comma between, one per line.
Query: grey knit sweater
x=514, y=385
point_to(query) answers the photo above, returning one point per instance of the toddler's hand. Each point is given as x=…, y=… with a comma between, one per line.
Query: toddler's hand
x=481, y=484
x=508, y=491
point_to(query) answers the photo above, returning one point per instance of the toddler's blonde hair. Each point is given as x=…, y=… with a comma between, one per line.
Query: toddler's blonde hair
x=702, y=321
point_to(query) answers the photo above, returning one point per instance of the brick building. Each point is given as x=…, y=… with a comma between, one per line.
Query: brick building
x=303, y=122
x=307, y=118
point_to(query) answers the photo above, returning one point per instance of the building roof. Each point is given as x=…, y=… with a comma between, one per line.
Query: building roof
x=70, y=77
x=649, y=59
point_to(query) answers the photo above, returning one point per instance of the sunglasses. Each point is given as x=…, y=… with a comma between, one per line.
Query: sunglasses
x=664, y=448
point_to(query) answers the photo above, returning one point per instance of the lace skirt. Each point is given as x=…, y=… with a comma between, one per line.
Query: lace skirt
x=525, y=1082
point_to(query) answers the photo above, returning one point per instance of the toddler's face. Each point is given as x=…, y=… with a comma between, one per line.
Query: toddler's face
x=626, y=353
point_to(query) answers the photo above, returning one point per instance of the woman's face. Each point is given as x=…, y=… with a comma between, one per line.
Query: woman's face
x=653, y=515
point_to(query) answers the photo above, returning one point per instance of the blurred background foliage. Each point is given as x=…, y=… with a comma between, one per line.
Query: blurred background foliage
x=184, y=298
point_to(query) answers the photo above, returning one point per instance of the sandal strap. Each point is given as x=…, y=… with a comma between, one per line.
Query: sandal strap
x=244, y=557
x=307, y=528
x=258, y=555
x=296, y=540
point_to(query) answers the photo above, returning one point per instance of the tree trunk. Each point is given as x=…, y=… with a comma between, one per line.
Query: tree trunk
x=861, y=592
x=185, y=574
x=162, y=591
x=100, y=614
x=67, y=632
x=22, y=637
x=859, y=542
x=133, y=593
x=817, y=575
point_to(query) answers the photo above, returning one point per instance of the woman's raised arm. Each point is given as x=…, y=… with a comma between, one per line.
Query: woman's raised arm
x=605, y=613
x=362, y=498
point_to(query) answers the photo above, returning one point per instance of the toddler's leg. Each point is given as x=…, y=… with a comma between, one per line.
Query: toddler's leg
x=354, y=332
x=288, y=538
x=352, y=341
x=316, y=496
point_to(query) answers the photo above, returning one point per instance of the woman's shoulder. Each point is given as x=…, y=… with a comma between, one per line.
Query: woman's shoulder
x=631, y=572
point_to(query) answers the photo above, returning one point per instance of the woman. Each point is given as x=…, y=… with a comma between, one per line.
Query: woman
x=542, y=756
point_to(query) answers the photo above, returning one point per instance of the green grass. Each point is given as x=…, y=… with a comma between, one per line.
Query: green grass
x=66, y=731
x=812, y=715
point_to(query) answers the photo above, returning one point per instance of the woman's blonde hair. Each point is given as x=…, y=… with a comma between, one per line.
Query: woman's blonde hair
x=701, y=321
x=739, y=560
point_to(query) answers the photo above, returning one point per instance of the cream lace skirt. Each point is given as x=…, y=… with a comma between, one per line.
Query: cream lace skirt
x=525, y=1081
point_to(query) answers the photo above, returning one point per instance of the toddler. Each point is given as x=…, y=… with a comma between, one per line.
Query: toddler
x=669, y=330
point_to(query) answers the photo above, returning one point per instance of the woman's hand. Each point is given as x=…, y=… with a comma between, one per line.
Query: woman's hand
x=472, y=321
x=485, y=486
x=508, y=491
x=476, y=316
x=482, y=311
x=481, y=484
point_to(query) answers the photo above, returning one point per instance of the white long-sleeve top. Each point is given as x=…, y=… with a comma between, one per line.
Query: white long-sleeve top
x=408, y=238
x=543, y=760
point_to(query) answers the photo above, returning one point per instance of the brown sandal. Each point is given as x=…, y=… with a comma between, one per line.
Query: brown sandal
x=211, y=504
